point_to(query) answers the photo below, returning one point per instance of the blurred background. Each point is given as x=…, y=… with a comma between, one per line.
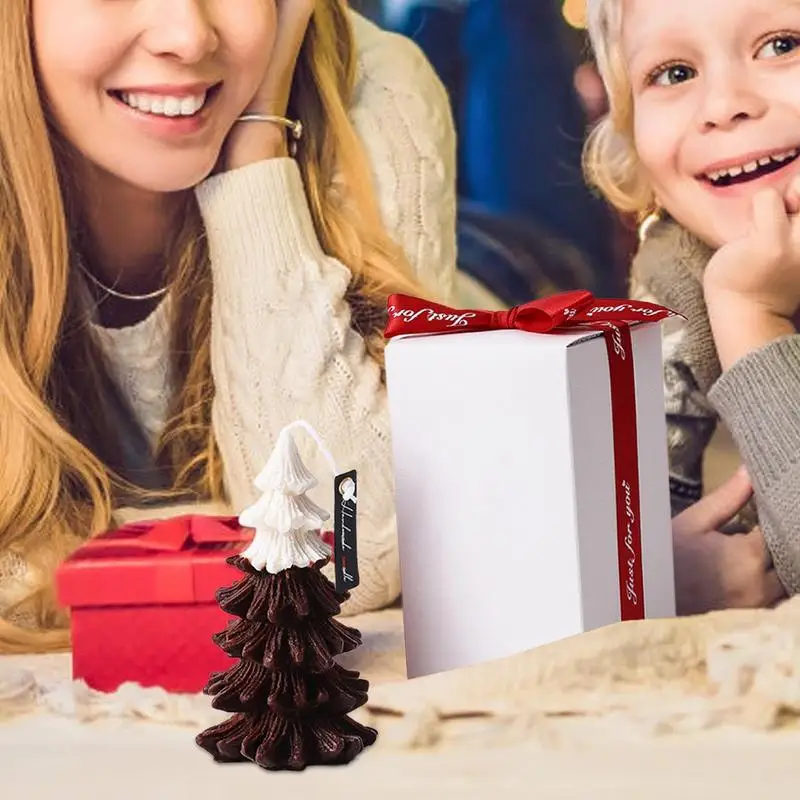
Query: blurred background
x=524, y=94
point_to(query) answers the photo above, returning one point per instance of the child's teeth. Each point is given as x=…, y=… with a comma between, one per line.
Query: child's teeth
x=752, y=166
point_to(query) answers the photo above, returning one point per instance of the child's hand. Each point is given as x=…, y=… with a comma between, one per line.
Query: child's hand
x=714, y=570
x=761, y=270
x=752, y=284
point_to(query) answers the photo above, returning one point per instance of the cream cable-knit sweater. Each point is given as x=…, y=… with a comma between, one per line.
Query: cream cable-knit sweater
x=282, y=345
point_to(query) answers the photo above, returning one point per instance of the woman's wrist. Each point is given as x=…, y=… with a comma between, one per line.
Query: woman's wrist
x=253, y=142
x=741, y=325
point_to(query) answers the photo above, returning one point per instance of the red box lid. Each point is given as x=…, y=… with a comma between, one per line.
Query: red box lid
x=178, y=560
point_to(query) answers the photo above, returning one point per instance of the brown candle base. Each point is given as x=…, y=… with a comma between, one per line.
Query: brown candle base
x=289, y=697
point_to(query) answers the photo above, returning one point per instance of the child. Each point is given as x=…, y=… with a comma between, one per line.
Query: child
x=702, y=138
x=177, y=282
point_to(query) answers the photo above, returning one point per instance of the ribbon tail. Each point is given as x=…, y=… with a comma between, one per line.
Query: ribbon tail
x=217, y=530
x=619, y=345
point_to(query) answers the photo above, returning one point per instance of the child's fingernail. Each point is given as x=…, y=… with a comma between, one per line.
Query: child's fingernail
x=742, y=471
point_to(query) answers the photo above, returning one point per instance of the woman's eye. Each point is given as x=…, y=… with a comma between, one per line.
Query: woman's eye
x=668, y=76
x=779, y=46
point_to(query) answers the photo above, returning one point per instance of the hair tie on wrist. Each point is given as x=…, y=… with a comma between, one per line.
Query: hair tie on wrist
x=294, y=126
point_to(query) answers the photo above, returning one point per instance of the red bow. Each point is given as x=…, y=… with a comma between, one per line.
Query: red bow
x=179, y=560
x=577, y=309
x=170, y=535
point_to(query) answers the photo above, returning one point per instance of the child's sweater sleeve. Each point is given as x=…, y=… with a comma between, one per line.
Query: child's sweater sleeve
x=757, y=398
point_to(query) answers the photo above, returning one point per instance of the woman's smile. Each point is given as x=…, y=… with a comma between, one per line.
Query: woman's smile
x=168, y=110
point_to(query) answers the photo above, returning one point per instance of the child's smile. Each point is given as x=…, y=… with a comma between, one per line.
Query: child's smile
x=716, y=100
x=747, y=169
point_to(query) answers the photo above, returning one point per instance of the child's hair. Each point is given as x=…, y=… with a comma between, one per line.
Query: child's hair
x=610, y=160
x=56, y=483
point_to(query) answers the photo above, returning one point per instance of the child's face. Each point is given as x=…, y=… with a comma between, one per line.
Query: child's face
x=96, y=58
x=716, y=88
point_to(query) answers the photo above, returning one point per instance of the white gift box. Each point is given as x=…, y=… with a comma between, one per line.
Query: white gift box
x=506, y=493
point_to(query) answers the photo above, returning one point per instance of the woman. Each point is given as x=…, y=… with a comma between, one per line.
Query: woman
x=175, y=287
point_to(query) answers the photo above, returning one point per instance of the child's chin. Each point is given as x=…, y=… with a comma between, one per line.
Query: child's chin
x=718, y=229
x=719, y=236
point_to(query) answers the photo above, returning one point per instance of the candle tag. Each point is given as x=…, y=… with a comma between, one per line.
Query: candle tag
x=345, y=553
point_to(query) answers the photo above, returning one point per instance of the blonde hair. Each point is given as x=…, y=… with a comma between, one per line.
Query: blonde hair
x=610, y=160
x=58, y=482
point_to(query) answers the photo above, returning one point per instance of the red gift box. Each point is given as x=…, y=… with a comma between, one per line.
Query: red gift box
x=143, y=604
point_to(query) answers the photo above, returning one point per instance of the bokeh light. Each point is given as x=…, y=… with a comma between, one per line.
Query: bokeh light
x=575, y=13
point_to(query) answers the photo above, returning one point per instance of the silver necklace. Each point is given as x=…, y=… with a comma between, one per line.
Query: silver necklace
x=121, y=295
x=295, y=128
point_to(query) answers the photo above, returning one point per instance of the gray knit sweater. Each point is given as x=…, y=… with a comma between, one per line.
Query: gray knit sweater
x=756, y=398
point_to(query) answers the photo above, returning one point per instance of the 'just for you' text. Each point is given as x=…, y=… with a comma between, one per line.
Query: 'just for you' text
x=409, y=315
x=623, y=308
x=630, y=581
x=616, y=339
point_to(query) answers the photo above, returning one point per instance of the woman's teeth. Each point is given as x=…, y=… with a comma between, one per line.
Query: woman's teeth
x=163, y=105
x=752, y=169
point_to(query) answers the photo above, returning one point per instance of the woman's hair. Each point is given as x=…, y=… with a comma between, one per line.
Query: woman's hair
x=56, y=480
x=610, y=160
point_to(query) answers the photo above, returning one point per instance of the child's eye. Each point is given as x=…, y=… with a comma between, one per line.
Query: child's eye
x=670, y=75
x=779, y=46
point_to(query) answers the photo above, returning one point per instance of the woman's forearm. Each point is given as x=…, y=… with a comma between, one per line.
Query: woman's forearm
x=283, y=348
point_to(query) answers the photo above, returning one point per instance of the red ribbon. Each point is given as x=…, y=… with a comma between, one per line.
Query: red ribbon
x=562, y=312
x=171, y=535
